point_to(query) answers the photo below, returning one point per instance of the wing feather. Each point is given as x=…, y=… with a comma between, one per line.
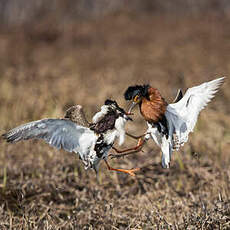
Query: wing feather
x=59, y=133
x=194, y=100
x=182, y=116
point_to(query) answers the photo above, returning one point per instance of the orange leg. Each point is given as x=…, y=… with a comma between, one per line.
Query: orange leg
x=131, y=172
x=138, y=147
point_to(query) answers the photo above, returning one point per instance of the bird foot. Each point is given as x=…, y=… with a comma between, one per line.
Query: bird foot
x=131, y=172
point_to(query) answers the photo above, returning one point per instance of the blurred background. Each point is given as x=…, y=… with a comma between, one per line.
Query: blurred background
x=54, y=54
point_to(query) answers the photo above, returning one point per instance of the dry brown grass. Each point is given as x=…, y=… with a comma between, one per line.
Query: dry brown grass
x=45, y=70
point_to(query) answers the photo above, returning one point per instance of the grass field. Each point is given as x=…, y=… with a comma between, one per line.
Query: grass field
x=45, y=70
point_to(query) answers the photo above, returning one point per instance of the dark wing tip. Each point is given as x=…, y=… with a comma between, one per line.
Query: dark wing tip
x=179, y=96
x=6, y=137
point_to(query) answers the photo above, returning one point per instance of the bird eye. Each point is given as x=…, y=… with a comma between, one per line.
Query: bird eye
x=136, y=98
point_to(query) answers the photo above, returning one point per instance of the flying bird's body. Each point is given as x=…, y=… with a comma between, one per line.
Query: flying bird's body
x=74, y=134
x=169, y=125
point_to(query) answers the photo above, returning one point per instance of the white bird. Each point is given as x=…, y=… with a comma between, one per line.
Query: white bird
x=74, y=134
x=169, y=125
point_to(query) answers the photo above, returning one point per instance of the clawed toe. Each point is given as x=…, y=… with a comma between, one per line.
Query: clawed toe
x=131, y=172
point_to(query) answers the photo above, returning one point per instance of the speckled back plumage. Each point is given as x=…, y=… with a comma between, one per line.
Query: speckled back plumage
x=77, y=115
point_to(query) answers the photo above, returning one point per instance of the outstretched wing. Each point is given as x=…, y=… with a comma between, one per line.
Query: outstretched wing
x=59, y=133
x=194, y=100
x=182, y=116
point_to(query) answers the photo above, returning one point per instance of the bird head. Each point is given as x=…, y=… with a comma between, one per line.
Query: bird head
x=136, y=94
x=113, y=106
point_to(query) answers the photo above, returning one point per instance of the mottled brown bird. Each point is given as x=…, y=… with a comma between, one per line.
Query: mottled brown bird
x=91, y=141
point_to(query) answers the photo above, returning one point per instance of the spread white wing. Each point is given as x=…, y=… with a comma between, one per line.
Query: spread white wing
x=184, y=113
x=182, y=117
x=59, y=133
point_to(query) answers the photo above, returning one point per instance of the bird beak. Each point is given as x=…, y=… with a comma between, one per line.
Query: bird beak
x=132, y=106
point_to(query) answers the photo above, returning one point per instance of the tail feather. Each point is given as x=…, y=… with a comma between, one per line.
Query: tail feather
x=166, y=149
